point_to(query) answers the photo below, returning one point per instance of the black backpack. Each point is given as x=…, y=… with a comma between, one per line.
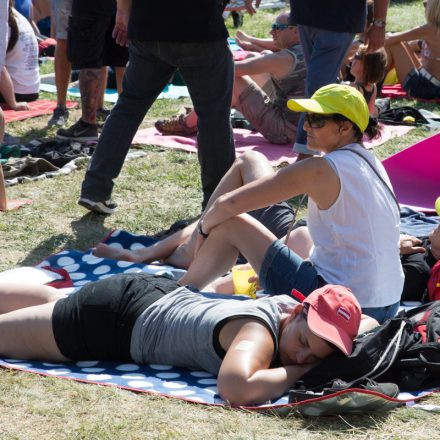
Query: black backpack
x=396, y=116
x=405, y=351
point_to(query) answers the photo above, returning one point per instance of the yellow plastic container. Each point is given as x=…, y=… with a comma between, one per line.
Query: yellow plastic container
x=240, y=278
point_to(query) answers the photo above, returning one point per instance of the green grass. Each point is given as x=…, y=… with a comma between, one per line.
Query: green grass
x=152, y=193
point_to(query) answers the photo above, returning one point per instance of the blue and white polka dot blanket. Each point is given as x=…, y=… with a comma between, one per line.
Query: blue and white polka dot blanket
x=83, y=267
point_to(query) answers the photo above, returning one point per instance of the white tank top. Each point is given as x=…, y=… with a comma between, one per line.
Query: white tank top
x=357, y=238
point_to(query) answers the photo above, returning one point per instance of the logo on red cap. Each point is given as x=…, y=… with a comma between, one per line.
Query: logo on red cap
x=344, y=313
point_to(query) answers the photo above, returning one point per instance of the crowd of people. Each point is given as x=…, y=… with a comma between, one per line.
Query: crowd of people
x=347, y=260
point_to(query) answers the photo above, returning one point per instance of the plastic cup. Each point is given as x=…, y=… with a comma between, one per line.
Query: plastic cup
x=240, y=278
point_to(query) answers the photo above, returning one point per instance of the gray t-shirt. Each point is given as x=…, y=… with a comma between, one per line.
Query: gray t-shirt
x=179, y=328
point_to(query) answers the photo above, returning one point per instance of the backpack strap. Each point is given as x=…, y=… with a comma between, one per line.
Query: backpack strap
x=375, y=172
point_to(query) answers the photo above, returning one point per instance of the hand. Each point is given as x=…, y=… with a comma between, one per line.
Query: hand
x=375, y=38
x=21, y=106
x=434, y=238
x=250, y=7
x=410, y=245
x=121, y=26
x=255, y=279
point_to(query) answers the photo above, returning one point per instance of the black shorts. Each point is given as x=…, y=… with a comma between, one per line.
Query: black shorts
x=276, y=218
x=96, y=322
x=90, y=44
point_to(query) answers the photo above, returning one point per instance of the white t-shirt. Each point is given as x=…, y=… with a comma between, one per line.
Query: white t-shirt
x=3, y=32
x=357, y=238
x=22, y=61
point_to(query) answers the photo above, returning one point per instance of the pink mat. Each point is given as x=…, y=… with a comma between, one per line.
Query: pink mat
x=246, y=140
x=415, y=174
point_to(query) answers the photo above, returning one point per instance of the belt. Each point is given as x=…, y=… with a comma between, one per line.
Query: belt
x=431, y=78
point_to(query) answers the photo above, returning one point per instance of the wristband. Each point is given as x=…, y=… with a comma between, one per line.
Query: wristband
x=200, y=230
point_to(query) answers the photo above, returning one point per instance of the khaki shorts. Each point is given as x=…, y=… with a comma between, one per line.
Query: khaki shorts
x=256, y=106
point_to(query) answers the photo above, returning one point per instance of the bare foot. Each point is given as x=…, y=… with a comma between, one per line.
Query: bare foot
x=242, y=36
x=15, y=204
x=181, y=257
x=106, y=251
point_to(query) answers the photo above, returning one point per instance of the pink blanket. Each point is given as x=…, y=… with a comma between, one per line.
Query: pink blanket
x=246, y=140
x=415, y=175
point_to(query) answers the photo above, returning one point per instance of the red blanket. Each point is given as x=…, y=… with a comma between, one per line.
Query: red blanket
x=38, y=108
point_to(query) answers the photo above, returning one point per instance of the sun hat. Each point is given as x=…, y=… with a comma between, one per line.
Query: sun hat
x=335, y=98
x=334, y=314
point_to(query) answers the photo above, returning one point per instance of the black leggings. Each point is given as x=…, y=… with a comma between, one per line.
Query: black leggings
x=96, y=322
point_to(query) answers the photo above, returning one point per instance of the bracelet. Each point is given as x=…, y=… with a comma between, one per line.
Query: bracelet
x=200, y=230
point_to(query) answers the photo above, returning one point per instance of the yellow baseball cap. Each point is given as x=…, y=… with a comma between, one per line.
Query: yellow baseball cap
x=335, y=98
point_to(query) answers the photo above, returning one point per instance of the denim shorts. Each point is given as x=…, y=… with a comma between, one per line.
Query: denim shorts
x=60, y=15
x=381, y=314
x=283, y=270
x=417, y=86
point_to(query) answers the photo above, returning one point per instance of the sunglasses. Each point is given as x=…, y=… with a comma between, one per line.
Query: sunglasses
x=316, y=120
x=280, y=27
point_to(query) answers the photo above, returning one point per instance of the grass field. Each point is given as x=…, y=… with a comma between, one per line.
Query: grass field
x=152, y=193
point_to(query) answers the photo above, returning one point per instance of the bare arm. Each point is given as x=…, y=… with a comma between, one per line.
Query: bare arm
x=276, y=64
x=249, y=42
x=417, y=33
x=121, y=22
x=313, y=176
x=375, y=35
x=7, y=90
x=245, y=375
x=3, y=199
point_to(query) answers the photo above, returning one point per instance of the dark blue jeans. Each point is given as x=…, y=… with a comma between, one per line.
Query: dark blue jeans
x=324, y=52
x=208, y=71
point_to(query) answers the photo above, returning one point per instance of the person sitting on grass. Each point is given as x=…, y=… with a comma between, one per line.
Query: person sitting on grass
x=178, y=248
x=20, y=77
x=263, y=84
x=259, y=348
x=368, y=68
x=352, y=217
x=419, y=77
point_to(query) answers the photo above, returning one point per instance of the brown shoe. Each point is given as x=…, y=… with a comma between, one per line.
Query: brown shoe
x=175, y=126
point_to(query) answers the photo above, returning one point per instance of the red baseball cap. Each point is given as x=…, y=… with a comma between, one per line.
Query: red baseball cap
x=334, y=314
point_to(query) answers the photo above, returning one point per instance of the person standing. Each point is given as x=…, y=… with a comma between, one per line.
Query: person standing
x=194, y=41
x=327, y=29
x=90, y=48
x=60, y=17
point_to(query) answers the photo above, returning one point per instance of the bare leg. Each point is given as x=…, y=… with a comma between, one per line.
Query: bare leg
x=5, y=204
x=104, y=77
x=119, y=76
x=219, y=252
x=90, y=83
x=27, y=334
x=178, y=248
x=14, y=296
x=240, y=84
x=400, y=58
x=300, y=242
x=62, y=71
x=247, y=168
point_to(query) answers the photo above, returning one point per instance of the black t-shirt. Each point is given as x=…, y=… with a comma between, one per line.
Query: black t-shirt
x=93, y=8
x=177, y=21
x=417, y=268
x=333, y=15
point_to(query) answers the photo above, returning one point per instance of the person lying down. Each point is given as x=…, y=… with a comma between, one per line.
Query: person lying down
x=258, y=348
